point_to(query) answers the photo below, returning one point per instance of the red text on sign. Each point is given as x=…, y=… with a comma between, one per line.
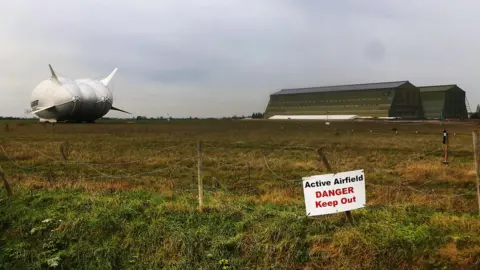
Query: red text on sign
x=320, y=204
x=347, y=200
x=325, y=204
x=334, y=192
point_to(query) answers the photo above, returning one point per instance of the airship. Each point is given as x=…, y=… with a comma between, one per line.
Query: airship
x=61, y=99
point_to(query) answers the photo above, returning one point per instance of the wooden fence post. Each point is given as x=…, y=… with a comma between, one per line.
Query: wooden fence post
x=323, y=159
x=199, y=174
x=477, y=165
x=5, y=183
x=445, y=144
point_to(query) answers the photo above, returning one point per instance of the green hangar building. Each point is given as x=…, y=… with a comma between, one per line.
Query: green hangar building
x=385, y=99
x=444, y=101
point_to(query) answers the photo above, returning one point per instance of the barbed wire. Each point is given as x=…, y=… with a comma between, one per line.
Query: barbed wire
x=104, y=175
x=71, y=162
x=224, y=164
x=101, y=174
x=24, y=167
x=291, y=147
x=90, y=166
x=276, y=175
x=423, y=192
x=376, y=185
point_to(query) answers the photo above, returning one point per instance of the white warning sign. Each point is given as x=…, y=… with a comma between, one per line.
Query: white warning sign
x=333, y=193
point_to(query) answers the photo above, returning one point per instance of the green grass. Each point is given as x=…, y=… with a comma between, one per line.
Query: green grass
x=114, y=215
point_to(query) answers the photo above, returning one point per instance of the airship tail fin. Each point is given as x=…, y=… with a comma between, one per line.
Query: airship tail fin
x=54, y=76
x=117, y=109
x=106, y=80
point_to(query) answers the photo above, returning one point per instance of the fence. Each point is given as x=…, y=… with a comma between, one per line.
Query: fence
x=201, y=160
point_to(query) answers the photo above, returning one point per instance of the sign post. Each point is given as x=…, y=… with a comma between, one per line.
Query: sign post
x=334, y=193
x=445, y=145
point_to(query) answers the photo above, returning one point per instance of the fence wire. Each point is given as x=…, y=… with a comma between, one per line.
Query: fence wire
x=223, y=165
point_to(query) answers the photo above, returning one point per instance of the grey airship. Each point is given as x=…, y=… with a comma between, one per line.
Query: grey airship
x=60, y=99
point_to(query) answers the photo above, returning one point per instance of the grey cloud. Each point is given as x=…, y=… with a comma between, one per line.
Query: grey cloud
x=176, y=76
x=375, y=50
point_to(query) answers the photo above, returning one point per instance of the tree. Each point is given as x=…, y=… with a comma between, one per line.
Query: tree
x=257, y=115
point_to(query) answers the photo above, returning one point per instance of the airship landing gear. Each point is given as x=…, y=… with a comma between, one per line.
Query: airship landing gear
x=44, y=124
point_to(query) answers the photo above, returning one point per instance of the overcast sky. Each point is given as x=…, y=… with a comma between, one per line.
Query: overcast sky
x=224, y=57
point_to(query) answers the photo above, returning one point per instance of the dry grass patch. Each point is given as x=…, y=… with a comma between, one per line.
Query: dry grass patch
x=459, y=258
x=280, y=197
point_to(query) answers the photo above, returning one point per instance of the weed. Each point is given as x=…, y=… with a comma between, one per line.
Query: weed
x=65, y=150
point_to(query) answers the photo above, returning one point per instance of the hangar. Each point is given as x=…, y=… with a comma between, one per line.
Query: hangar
x=384, y=99
x=443, y=101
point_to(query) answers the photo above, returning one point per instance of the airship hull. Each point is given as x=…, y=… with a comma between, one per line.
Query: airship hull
x=60, y=99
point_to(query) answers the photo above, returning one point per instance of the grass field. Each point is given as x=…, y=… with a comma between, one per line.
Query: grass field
x=126, y=196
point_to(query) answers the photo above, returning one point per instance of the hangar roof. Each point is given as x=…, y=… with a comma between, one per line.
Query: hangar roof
x=350, y=87
x=437, y=88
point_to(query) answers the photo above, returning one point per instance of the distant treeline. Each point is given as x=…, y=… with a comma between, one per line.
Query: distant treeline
x=257, y=115
x=254, y=116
